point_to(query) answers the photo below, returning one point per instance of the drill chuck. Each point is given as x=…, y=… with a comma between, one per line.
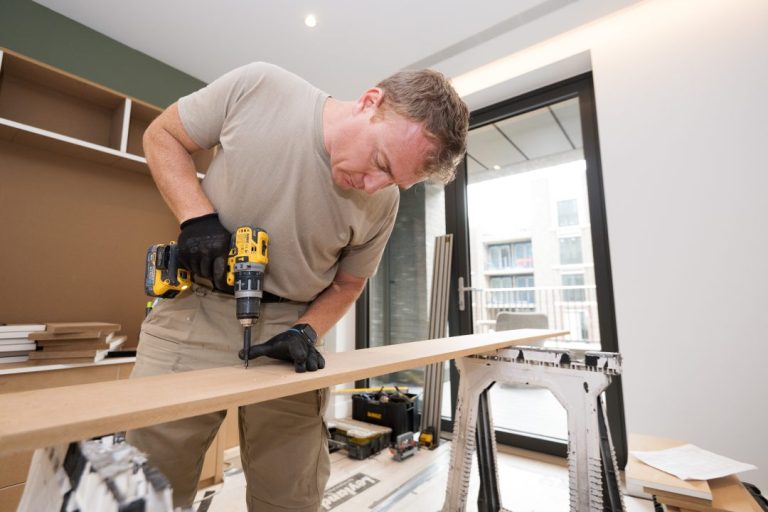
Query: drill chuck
x=249, y=278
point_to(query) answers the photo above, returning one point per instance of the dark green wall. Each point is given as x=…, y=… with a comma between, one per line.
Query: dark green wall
x=38, y=32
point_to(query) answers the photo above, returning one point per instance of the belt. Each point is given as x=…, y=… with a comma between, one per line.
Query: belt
x=201, y=288
x=271, y=297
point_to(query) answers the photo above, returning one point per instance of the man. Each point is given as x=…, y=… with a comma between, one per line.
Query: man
x=316, y=174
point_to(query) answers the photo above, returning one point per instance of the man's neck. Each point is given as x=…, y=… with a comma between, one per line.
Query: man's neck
x=333, y=112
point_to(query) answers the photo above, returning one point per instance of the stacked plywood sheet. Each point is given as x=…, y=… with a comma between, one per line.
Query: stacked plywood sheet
x=75, y=342
x=15, y=345
x=725, y=494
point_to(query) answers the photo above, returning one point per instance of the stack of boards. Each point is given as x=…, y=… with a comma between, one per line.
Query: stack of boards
x=726, y=494
x=15, y=345
x=64, y=343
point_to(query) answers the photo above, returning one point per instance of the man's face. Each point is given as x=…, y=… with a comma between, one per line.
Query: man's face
x=370, y=154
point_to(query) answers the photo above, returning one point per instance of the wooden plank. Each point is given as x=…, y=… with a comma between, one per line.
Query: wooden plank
x=13, y=469
x=642, y=475
x=48, y=336
x=73, y=327
x=60, y=415
x=729, y=495
x=689, y=500
x=10, y=497
x=125, y=364
x=231, y=429
x=63, y=376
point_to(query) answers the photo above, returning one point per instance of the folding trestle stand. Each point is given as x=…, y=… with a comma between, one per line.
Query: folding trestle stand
x=577, y=385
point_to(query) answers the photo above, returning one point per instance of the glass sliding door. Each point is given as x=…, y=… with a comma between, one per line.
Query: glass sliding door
x=531, y=243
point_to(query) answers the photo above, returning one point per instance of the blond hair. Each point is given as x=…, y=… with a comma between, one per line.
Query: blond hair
x=426, y=96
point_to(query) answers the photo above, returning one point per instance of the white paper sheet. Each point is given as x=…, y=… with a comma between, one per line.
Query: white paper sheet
x=689, y=462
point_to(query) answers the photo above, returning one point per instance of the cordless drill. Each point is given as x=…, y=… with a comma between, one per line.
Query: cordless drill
x=245, y=272
x=247, y=260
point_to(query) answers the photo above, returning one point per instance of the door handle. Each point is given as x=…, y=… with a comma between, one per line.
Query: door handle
x=462, y=290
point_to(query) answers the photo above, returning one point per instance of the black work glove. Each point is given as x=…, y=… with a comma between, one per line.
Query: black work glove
x=204, y=248
x=291, y=346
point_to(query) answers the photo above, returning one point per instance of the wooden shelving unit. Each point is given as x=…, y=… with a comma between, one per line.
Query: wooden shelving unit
x=64, y=141
x=50, y=109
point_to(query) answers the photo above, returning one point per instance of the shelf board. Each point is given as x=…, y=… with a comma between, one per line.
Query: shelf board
x=28, y=69
x=36, y=137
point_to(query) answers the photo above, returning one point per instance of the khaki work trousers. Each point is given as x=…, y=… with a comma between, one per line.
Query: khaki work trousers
x=283, y=444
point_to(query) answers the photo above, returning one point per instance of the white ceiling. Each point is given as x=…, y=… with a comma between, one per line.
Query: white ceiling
x=355, y=43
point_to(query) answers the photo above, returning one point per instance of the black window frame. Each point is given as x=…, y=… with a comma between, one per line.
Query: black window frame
x=460, y=322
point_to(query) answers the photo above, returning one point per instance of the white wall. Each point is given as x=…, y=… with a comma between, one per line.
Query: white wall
x=682, y=104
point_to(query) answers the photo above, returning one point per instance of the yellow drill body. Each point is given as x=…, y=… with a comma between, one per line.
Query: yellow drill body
x=248, y=258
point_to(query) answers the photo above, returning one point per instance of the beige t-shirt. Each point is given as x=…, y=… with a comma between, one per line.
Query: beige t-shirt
x=272, y=171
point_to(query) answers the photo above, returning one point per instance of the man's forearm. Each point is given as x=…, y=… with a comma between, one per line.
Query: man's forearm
x=173, y=169
x=331, y=305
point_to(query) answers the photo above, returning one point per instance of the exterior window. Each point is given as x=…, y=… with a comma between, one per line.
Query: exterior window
x=570, y=250
x=498, y=256
x=506, y=295
x=574, y=295
x=567, y=213
x=510, y=256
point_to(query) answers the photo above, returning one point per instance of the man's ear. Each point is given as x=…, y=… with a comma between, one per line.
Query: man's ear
x=371, y=98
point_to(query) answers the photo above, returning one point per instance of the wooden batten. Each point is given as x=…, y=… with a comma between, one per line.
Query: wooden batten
x=59, y=415
x=118, y=135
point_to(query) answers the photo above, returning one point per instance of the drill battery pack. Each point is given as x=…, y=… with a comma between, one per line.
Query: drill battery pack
x=162, y=275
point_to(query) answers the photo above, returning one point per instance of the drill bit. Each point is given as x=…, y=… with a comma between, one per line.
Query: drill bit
x=246, y=342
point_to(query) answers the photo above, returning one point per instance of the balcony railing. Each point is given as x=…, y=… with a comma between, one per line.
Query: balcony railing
x=571, y=308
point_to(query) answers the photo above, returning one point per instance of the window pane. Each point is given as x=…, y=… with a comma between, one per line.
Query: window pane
x=504, y=296
x=523, y=255
x=567, y=213
x=526, y=178
x=570, y=250
x=574, y=294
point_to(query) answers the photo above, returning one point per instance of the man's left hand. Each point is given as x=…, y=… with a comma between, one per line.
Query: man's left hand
x=291, y=346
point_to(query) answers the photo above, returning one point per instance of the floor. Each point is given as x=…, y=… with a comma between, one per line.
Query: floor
x=381, y=484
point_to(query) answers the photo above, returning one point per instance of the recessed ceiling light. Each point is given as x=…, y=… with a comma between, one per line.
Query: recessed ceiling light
x=310, y=21
x=497, y=167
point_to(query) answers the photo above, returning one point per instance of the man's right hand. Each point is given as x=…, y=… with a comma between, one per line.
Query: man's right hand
x=204, y=248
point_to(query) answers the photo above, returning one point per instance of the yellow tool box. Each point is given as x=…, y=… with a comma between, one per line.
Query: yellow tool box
x=360, y=439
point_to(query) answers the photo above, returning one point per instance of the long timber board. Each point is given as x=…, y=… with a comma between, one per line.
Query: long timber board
x=35, y=419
